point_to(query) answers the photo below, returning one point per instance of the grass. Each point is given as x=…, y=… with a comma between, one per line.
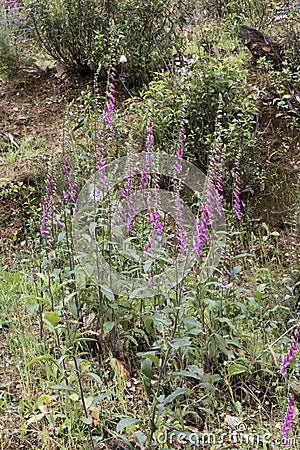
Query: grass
x=248, y=387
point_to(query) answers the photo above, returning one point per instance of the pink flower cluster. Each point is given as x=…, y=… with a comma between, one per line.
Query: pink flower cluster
x=111, y=100
x=292, y=350
x=237, y=188
x=288, y=419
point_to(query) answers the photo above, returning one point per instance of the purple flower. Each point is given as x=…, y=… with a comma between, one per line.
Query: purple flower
x=71, y=193
x=110, y=104
x=128, y=196
x=201, y=226
x=288, y=419
x=98, y=155
x=180, y=146
x=149, y=130
x=237, y=188
x=180, y=234
x=33, y=270
x=292, y=350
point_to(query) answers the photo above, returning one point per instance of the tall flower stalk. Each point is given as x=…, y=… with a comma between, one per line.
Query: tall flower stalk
x=110, y=100
x=288, y=419
x=237, y=187
x=45, y=228
x=285, y=363
x=292, y=350
x=179, y=208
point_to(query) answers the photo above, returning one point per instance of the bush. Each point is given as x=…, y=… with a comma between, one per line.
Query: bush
x=85, y=34
x=13, y=30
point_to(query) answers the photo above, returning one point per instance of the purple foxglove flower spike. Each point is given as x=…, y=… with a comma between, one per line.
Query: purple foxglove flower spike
x=288, y=420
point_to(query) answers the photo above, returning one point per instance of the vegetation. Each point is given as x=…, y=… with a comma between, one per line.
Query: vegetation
x=178, y=155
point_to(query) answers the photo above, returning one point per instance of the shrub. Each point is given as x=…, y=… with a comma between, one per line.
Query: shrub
x=83, y=34
x=13, y=30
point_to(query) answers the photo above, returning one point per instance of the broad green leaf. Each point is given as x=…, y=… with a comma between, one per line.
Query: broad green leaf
x=61, y=236
x=107, y=292
x=52, y=317
x=35, y=419
x=62, y=387
x=146, y=366
x=149, y=325
x=175, y=394
x=186, y=373
x=125, y=422
x=180, y=342
x=140, y=438
x=87, y=420
x=94, y=376
x=235, y=369
x=40, y=358
x=108, y=326
x=152, y=358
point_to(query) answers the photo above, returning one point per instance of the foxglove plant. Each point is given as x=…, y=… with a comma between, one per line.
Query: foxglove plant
x=71, y=192
x=155, y=220
x=45, y=228
x=201, y=226
x=288, y=419
x=178, y=169
x=111, y=100
x=237, y=187
x=292, y=350
x=98, y=155
x=285, y=363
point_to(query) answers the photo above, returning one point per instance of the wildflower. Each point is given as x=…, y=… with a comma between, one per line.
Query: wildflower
x=71, y=194
x=155, y=220
x=237, y=188
x=127, y=193
x=180, y=145
x=288, y=419
x=98, y=155
x=201, y=227
x=180, y=234
x=292, y=350
x=45, y=229
x=178, y=169
x=123, y=59
x=110, y=104
x=33, y=270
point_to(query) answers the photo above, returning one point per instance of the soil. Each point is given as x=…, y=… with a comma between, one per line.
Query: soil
x=33, y=110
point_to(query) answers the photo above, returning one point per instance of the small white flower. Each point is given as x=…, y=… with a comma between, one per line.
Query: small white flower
x=123, y=59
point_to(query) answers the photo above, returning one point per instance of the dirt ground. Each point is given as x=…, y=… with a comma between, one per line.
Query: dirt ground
x=32, y=110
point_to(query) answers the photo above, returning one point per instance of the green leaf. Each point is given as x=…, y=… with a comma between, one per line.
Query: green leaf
x=152, y=358
x=149, y=325
x=40, y=358
x=125, y=422
x=52, y=317
x=175, y=394
x=235, y=369
x=35, y=419
x=108, y=326
x=140, y=438
x=180, y=342
x=146, y=367
x=186, y=373
x=107, y=292
x=94, y=376
x=62, y=387
x=87, y=420
x=61, y=236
